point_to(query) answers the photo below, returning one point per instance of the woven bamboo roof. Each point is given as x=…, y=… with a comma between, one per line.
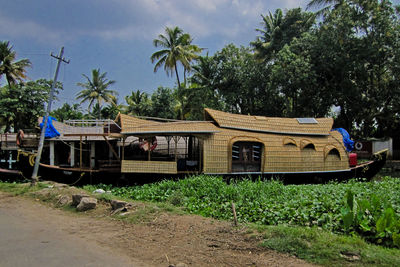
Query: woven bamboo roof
x=318, y=126
x=127, y=122
x=171, y=128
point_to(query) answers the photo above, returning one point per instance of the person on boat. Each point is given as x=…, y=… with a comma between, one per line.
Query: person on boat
x=20, y=137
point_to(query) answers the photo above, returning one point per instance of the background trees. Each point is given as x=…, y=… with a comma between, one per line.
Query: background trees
x=68, y=112
x=346, y=64
x=23, y=103
x=13, y=70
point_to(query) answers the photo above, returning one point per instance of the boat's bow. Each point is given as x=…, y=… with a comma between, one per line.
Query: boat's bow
x=370, y=168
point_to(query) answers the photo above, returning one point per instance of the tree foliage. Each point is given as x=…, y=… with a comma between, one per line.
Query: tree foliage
x=138, y=104
x=96, y=90
x=23, y=103
x=14, y=71
x=177, y=48
x=68, y=112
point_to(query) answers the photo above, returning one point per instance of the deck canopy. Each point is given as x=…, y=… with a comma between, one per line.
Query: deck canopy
x=93, y=130
x=320, y=126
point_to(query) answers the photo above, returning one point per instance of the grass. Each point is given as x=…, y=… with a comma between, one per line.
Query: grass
x=20, y=188
x=322, y=247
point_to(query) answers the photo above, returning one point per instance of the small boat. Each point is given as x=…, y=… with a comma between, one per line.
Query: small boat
x=295, y=149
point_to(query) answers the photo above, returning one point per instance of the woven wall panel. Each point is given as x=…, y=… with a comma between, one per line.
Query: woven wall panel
x=137, y=166
x=278, y=157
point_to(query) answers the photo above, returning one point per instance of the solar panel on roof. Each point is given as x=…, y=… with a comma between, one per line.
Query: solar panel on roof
x=307, y=120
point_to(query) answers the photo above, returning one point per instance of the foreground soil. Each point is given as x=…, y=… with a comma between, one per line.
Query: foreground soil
x=165, y=239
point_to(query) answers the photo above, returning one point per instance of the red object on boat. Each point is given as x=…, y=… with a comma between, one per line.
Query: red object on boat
x=353, y=159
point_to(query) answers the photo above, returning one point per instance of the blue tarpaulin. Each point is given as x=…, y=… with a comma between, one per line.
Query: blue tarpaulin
x=50, y=130
x=348, y=143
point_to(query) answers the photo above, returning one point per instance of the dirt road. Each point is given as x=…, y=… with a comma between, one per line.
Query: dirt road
x=34, y=234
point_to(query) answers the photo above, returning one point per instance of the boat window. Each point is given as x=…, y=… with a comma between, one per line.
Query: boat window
x=309, y=146
x=246, y=157
x=289, y=142
x=334, y=152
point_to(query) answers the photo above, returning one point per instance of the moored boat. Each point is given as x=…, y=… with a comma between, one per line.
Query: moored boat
x=295, y=149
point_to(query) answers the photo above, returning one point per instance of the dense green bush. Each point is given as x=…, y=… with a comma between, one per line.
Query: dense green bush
x=271, y=203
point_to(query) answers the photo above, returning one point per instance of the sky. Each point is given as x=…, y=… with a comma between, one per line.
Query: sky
x=116, y=36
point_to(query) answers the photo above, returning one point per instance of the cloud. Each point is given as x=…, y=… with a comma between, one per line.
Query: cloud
x=30, y=29
x=200, y=18
x=140, y=19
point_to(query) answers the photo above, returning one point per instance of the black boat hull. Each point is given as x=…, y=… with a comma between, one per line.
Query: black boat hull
x=25, y=162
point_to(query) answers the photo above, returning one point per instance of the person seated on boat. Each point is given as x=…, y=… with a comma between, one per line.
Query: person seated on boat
x=20, y=137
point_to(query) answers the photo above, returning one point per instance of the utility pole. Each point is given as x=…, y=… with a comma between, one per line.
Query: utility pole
x=42, y=135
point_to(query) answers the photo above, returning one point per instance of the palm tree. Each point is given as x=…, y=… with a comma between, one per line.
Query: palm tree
x=138, y=103
x=279, y=30
x=177, y=47
x=13, y=70
x=325, y=4
x=265, y=44
x=96, y=90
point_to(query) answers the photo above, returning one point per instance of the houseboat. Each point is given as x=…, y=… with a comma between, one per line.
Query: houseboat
x=295, y=149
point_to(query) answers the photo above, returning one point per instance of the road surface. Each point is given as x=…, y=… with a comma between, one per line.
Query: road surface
x=34, y=238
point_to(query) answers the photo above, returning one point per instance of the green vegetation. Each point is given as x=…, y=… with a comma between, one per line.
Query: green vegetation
x=13, y=70
x=325, y=248
x=374, y=214
x=19, y=188
x=316, y=244
x=96, y=90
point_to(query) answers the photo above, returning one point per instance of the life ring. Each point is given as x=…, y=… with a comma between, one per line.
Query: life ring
x=145, y=145
x=358, y=145
x=20, y=137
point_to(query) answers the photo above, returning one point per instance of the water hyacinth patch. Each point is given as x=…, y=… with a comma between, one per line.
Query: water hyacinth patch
x=272, y=203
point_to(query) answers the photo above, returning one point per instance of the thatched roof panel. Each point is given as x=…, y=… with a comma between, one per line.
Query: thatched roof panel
x=269, y=124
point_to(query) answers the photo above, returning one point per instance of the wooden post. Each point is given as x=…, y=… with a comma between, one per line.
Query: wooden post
x=123, y=148
x=190, y=147
x=176, y=148
x=72, y=154
x=235, y=222
x=148, y=151
x=80, y=152
x=111, y=149
x=168, y=139
x=92, y=155
x=52, y=153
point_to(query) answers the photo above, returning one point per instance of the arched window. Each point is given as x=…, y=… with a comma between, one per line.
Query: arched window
x=289, y=142
x=332, y=152
x=246, y=156
x=307, y=145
